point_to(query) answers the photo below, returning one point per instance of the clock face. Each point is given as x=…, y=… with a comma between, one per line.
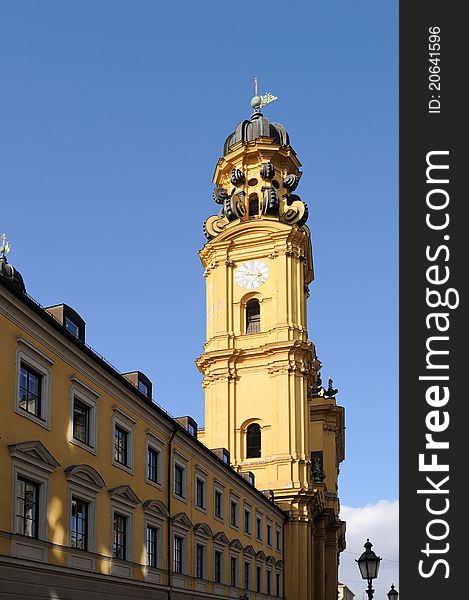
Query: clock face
x=252, y=274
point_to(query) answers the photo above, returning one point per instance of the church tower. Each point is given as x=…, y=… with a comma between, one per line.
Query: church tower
x=264, y=400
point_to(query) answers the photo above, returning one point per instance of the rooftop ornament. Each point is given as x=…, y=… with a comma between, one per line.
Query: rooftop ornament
x=5, y=246
x=259, y=102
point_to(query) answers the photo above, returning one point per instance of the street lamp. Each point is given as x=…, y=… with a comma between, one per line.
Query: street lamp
x=393, y=594
x=368, y=564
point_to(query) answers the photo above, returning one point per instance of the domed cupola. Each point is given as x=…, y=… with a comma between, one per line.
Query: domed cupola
x=7, y=271
x=256, y=175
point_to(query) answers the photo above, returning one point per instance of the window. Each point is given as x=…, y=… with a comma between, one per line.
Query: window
x=72, y=327
x=143, y=388
x=83, y=415
x=253, y=316
x=191, y=429
x=253, y=206
x=269, y=534
x=247, y=571
x=253, y=441
x=27, y=507
x=30, y=390
x=152, y=464
x=179, y=480
x=177, y=554
x=277, y=539
x=247, y=521
x=269, y=582
x=218, y=566
x=200, y=492
x=218, y=504
x=33, y=379
x=152, y=546
x=234, y=568
x=234, y=513
x=81, y=422
x=121, y=445
x=199, y=567
x=119, y=547
x=258, y=579
x=259, y=528
x=79, y=524
x=277, y=577
x=226, y=456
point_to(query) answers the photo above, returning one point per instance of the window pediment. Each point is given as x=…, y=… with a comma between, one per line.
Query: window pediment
x=34, y=453
x=220, y=538
x=85, y=475
x=260, y=555
x=236, y=545
x=270, y=560
x=182, y=520
x=249, y=551
x=203, y=529
x=125, y=494
x=279, y=564
x=155, y=508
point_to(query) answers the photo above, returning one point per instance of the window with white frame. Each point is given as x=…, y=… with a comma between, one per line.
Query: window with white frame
x=123, y=501
x=247, y=575
x=259, y=527
x=200, y=491
x=83, y=415
x=123, y=440
x=258, y=579
x=247, y=520
x=32, y=465
x=218, y=566
x=152, y=540
x=27, y=507
x=200, y=551
x=178, y=550
x=33, y=383
x=233, y=571
x=84, y=483
x=155, y=516
x=269, y=582
x=218, y=503
x=154, y=458
x=269, y=534
x=180, y=477
x=234, y=512
x=278, y=539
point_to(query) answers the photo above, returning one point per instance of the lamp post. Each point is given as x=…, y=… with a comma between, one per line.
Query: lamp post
x=393, y=594
x=368, y=563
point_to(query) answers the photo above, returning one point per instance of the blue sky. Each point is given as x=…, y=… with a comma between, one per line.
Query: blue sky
x=112, y=118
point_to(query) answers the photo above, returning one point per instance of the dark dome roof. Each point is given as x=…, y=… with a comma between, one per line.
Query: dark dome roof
x=13, y=276
x=259, y=126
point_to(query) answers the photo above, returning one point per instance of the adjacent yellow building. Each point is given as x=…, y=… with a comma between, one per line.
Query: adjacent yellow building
x=105, y=495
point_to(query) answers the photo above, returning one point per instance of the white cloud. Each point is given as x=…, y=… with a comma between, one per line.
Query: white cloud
x=380, y=523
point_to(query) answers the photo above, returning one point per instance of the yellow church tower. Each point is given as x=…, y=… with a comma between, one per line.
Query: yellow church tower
x=264, y=400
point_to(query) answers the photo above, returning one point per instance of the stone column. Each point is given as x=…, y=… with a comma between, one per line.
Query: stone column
x=331, y=559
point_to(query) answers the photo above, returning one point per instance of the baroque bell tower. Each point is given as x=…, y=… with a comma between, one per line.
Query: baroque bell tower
x=264, y=400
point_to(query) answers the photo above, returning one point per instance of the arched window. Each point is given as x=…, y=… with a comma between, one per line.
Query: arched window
x=253, y=441
x=253, y=206
x=253, y=316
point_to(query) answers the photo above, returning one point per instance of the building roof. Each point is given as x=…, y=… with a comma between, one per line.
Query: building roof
x=257, y=127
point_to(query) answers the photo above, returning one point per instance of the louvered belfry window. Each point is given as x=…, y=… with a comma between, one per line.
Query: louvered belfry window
x=253, y=317
x=253, y=441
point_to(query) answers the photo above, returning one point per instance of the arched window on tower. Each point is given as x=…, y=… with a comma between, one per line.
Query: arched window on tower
x=253, y=206
x=253, y=441
x=253, y=316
